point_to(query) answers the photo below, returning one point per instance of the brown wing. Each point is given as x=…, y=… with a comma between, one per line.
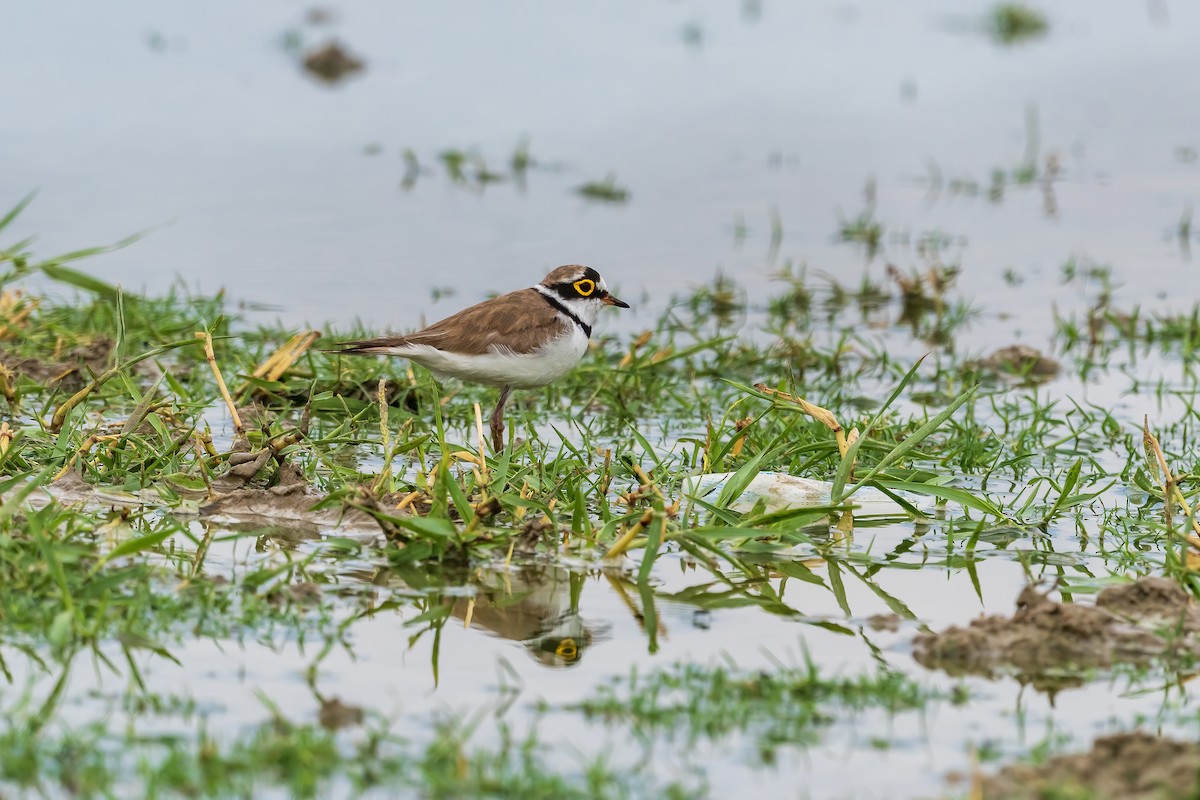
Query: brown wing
x=521, y=321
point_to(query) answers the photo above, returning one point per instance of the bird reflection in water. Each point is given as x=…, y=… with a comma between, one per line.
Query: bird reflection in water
x=536, y=605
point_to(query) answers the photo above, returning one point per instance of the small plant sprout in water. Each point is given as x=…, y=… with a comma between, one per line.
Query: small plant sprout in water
x=1015, y=23
x=605, y=191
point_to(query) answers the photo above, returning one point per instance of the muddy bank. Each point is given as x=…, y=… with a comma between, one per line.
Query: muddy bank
x=1130, y=766
x=292, y=504
x=1135, y=623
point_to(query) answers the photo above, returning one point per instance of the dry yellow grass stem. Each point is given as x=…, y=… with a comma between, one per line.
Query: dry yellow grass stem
x=207, y=443
x=282, y=359
x=381, y=398
x=84, y=448
x=212, y=363
x=6, y=388
x=483, y=476
x=407, y=501
x=385, y=436
x=741, y=425
x=1171, y=492
x=668, y=513
x=14, y=310
x=519, y=511
x=200, y=443
x=622, y=544
x=470, y=613
x=662, y=355
x=605, y=473
x=822, y=415
x=60, y=413
x=647, y=480
x=6, y=437
x=638, y=344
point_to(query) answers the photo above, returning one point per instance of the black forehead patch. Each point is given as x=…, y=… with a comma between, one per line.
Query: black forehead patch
x=588, y=272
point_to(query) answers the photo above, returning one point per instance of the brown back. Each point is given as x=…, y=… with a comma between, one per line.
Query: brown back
x=522, y=320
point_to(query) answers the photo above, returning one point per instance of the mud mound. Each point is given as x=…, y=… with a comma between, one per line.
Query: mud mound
x=1019, y=360
x=68, y=370
x=1130, y=766
x=1129, y=624
x=1157, y=601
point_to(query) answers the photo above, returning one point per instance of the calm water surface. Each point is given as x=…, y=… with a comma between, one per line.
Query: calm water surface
x=198, y=124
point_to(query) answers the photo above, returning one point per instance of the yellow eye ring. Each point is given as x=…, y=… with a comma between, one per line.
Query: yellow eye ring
x=585, y=287
x=566, y=649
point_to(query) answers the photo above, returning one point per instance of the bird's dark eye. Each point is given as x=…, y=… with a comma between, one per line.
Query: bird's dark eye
x=585, y=287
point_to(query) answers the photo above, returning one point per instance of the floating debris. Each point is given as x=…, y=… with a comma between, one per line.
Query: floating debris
x=332, y=63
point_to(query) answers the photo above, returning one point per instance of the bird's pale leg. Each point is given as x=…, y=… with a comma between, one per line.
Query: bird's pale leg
x=498, y=419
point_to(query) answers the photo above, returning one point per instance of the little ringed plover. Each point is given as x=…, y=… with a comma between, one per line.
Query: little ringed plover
x=520, y=340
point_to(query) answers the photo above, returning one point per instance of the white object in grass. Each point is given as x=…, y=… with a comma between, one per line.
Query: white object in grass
x=779, y=492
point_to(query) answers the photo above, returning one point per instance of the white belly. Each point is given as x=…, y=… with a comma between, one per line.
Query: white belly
x=502, y=367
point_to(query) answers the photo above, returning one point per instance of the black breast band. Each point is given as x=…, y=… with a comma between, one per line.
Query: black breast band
x=562, y=308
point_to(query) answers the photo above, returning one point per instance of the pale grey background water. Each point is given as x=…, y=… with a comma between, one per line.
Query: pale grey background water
x=198, y=119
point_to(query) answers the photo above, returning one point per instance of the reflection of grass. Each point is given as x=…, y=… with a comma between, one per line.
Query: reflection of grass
x=1012, y=23
x=781, y=707
x=469, y=169
x=863, y=229
x=1034, y=170
x=304, y=760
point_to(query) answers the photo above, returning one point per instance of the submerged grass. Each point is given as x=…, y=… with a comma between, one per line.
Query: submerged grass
x=305, y=760
x=786, y=707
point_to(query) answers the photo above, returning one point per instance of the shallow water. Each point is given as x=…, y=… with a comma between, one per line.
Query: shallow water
x=254, y=177
x=491, y=667
x=201, y=127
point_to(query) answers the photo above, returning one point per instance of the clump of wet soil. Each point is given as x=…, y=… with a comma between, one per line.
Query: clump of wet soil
x=1020, y=361
x=335, y=714
x=67, y=370
x=1134, y=623
x=1131, y=766
x=290, y=497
